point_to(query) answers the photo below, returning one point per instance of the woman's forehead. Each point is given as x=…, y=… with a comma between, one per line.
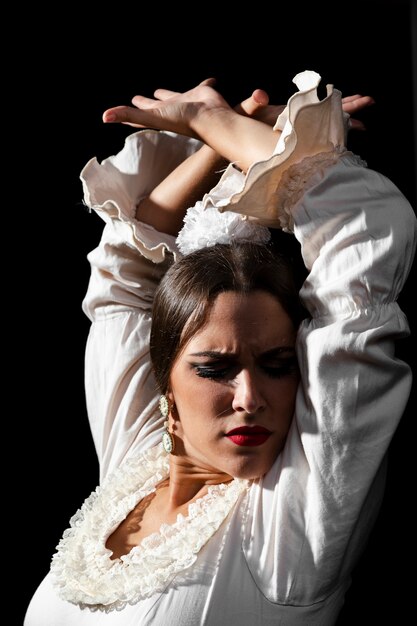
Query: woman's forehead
x=256, y=318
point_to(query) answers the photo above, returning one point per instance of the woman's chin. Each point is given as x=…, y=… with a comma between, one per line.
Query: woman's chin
x=250, y=470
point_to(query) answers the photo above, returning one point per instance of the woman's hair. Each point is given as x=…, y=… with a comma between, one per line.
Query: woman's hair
x=188, y=290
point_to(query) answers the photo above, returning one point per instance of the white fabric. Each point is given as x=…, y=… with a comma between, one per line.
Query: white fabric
x=311, y=129
x=285, y=552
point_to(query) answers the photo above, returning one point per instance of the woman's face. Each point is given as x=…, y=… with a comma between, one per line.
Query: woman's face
x=234, y=386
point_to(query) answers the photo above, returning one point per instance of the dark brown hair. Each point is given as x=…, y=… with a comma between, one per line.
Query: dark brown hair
x=187, y=292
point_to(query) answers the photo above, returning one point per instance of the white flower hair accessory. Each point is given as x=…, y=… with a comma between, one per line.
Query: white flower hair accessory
x=204, y=227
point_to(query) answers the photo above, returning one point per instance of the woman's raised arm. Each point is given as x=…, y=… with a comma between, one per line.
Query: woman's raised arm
x=164, y=208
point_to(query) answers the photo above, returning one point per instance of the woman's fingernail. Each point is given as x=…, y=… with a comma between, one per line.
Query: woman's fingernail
x=109, y=117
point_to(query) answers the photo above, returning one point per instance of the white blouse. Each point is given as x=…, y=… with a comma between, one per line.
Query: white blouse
x=278, y=550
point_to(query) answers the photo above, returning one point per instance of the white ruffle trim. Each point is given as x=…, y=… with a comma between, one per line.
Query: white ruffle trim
x=206, y=227
x=82, y=570
x=300, y=177
x=115, y=187
x=312, y=139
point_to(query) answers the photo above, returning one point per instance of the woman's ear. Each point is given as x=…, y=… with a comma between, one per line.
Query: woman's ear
x=171, y=403
x=170, y=396
x=173, y=411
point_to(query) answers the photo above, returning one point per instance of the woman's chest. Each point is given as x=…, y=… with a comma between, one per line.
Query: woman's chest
x=145, y=519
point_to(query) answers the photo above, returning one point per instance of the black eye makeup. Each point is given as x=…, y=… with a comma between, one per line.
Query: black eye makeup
x=218, y=367
x=212, y=371
x=276, y=363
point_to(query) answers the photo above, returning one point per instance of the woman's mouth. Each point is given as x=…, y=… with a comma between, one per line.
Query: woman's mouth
x=249, y=435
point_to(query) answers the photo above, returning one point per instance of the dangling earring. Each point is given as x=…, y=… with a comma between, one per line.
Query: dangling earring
x=167, y=438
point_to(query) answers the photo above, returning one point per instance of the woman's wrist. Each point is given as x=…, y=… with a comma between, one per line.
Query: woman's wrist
x=237, y=138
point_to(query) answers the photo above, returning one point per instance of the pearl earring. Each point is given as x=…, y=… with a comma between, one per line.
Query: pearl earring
x=167, y=438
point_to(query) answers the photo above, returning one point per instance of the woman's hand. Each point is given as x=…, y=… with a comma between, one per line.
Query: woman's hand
x=251, y=107
x=203, y=113
x=353, y=104
x=170, y=110
x=268, y=113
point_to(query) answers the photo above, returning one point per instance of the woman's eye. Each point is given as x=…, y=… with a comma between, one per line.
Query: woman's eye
x=215, y=373
x=279, y=371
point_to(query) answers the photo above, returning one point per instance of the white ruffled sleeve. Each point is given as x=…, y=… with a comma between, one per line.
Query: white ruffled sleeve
x=310, y=516
x=126, y=267
x=312, y=138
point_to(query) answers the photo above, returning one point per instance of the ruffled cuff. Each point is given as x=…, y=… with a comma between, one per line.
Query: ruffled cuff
x=114, y=187
x=312, y=139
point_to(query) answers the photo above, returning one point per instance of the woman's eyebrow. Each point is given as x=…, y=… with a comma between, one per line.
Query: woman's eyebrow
x=284, y=350
x=215, y=354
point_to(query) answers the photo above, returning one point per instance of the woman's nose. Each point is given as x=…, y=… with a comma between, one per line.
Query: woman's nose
x=248, y=396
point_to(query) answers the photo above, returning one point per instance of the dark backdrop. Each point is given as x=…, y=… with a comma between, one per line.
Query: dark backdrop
x=81, y=68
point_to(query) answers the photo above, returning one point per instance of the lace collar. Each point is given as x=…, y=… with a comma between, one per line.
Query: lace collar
x=82, y=570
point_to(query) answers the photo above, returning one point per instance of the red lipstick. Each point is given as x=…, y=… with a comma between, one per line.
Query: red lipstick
x=249, y=435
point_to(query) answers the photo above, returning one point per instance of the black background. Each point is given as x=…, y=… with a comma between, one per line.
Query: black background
x=81, y=68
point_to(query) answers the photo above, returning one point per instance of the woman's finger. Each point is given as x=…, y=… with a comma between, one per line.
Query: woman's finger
x=145, y=103
x=352, y=104
x=164, y=94
x=250, y=106
x=124, y=115
x=208, y=82
x=350, y=98
x=356, y=124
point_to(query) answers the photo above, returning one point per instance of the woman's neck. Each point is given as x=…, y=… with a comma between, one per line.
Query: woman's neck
x=188, y=481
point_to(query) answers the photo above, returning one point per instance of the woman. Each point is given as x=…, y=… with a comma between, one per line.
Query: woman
x=260, y=499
